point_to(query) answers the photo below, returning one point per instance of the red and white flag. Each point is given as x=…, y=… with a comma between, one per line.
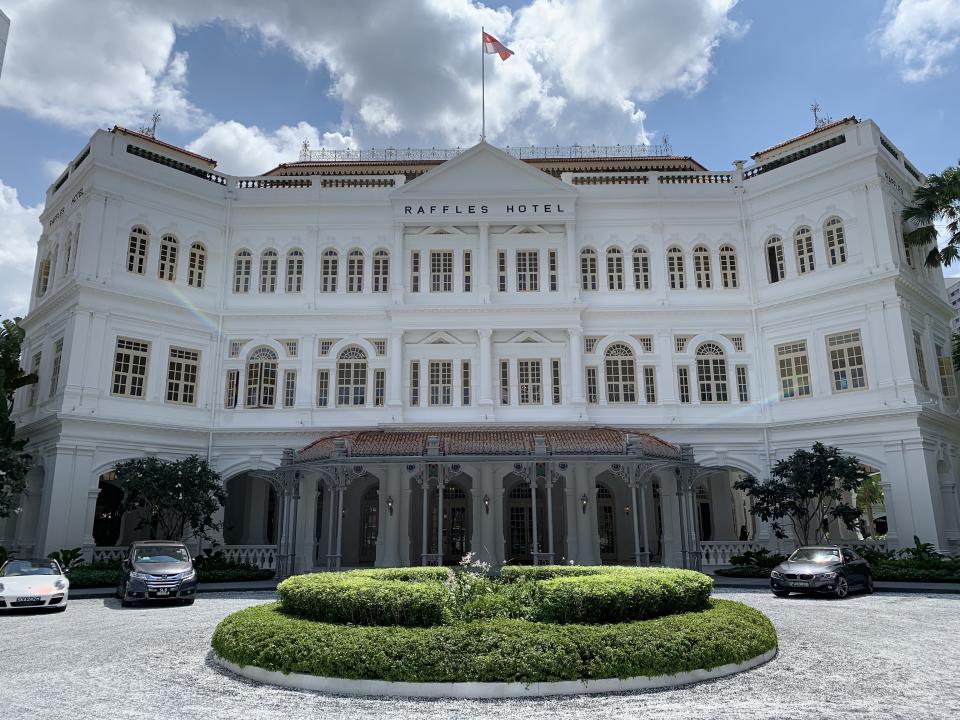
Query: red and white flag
x=493, y=46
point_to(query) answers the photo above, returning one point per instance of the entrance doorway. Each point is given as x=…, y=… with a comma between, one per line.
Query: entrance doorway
x=369, y=525
x=456, y=524
x=520, y=545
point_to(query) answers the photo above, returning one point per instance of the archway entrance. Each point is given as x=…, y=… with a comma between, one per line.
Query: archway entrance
x=250, y=513
x=606, y=524
x=456, y=523
x=369, y=525
x=108, y=515
x=520, y=544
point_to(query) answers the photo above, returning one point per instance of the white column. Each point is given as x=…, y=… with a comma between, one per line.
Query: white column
x=575, y=343
x=548, y=483
x=572, y=500
x=636, y=523
x=402, y=510
x=331, y=524
x=340, y=491
x=440, y=485
x=397, y=265
x=573, y=267
x=485, y=401
x=642, y=492
x=425, y=510
x=306, y=525
x=535, y=543
x=395, y=377
x=482, y=268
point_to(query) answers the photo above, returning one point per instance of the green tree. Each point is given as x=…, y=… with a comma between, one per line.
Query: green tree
x=937, y=199
x=172, y=496
x=808, y=489
x=14, y=463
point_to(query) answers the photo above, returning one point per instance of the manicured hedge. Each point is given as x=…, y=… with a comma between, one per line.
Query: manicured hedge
x=744, y=571
x=500, y=650
x=404, y=574
x=107, y=574
x=362, y=598
x=521, y=573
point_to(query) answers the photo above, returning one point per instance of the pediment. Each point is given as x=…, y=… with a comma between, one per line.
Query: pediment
x=440, y=338
x=529, y=337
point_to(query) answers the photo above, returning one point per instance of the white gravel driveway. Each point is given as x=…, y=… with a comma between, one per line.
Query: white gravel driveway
x=881, y=657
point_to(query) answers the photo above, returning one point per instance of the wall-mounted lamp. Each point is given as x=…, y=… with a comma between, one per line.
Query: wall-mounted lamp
x=486, y=504
x=583, y=503
x=626, y=510
x=390, y=504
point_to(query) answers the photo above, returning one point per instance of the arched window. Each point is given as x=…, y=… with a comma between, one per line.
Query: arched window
x=242, y=268
x=701, y=267
x=775, y=265
x=355, y=271
x=197, y=265
x=167, y=267
x=329, y=269
x=836, y=241
x=728, y=267
x=614, y=269
x=621, y=374
x=261, y=378
x=803, y=239
x=352, y=377
x=294, y=271
x=606, y=523
x=641, y=269
x=268, y=271
x=43, y=276
x=675, y=269
x=588, y=269
x=381, y=271
x=137, y=250
x=711, y=373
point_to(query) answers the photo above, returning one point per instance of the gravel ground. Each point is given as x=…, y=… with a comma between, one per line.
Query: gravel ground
x=880, y=656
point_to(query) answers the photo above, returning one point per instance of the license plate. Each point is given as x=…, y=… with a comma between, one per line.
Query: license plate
x=798, y=583
x=161, y=592
x=31, y=598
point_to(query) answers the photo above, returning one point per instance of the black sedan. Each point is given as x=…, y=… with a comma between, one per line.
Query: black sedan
x=821, y=569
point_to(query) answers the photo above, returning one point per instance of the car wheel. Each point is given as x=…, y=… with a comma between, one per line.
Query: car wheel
x=843, y=587
x=122, y=594
x=780, y=593
x=868, y=585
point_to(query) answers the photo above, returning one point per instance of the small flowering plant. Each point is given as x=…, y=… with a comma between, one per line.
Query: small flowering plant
x=468, y=581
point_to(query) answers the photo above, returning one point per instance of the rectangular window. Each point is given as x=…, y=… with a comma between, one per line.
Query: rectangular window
x=554, y=270
x=182, y=369
x=683, y=381
x=323, y=388
x=235, y=347
x=465, y=383
x=846, y=361
x=379, y=346
x=945, y=368
x=646, y=342
x=414, y=383
x=528, y=270
x=743, y=394
x=441, y=271
x=680, y=343
x=794, y=369
x=292, y=347
x=530, y=379
x=467, y=271
x=35, y=369
x=504, y=382
x=592, y=385
x=441, y=382
x=130, y=367
x=379, y=387
x=921, y=365
x=415, y=271
x=650, y=383
x=325, y=345
x=232, y=389
x=55, y=370
x=712, y=379
x=289, y=388
x=501, y=271
x=555, y=383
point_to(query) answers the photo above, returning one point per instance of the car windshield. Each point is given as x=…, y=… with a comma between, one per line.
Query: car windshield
x=816, y=555
x=161, y=554
x=30, y=567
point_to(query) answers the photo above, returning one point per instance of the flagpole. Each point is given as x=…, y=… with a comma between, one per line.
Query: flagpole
x=483, y=89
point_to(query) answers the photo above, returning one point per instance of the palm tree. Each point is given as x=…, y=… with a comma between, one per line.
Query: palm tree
x=937, y=199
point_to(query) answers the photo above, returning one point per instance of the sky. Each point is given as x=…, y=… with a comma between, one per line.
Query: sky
x=245, y=82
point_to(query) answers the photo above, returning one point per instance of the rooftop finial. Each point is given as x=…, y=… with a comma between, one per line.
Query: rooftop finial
x=151, y=129
x=819, y=122
x=305, y=150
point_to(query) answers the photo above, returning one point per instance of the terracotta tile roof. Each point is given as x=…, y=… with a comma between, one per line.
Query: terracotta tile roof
x=134, y=133
x=829, y=126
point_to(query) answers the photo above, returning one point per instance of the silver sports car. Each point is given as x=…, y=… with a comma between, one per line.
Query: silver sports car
x=33, y=584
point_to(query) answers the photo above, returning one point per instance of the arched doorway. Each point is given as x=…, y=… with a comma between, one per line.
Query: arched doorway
x=250, y=513
x=456, y=523
x=520, y=544
x=606, y=524
x=369, y=525
x=108, y=515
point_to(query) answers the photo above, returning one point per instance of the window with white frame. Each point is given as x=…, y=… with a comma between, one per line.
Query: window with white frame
x=325, y=345
x=683, y=383
x=379, y=346
x=379, y=387
x=675, y=274
x=167, y=267
x=323, y=388
x=641, y=269
x=232, y=389
x=235, y=347
x=529, y=382
x=43, y=277
x=183, y=365
x=921, y=365
x=944, y=369
x=441, y=271
x=501, y=271
x=593, y=384
x=329, y=270
x=846, y=361
x=467, y=271
x=680, y=342
x=355, y=271
x=35, y=370
x=414, y=383
x=737, y=341
x=196, y=265
x=137, y=250
x=833, y=235
x=269, y=267
x=381, y=271
x=440, y=376
x=289, y=388
x=728, y=267
x=776, y=268
x=292, y=347
x=504, y=382
x=701, y=267
x=615, y=279
x=650, y=383
x=711, y=373
x=55, y=370
x=588, y=269
x=352, y=377
x=794, y=369
x=465, y=383
x=130, y=367
x=528, y=270
x=590, y=343
x=415, y=271
x=242, y=268
x=261, y=378
x=294, y=279
x=803, y=242
x=743, y=391
x=621, y=374
x=646, y=342
x=555, y=381
x=553, y=270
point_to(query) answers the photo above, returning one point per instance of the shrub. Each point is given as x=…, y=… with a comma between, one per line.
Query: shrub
x=404, y=574
x=758, y=558
x=495, y=651
x=743, y=571
x=520, y=573
x=89, y=576
x=916, y=571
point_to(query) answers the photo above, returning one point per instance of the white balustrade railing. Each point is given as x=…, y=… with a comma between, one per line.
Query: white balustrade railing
x=104, y=553
x=718, y=552
x=263, y=556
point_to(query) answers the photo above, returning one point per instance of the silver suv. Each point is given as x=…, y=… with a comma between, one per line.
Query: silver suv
x=157, y=570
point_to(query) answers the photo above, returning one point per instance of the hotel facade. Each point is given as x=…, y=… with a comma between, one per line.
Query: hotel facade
x=537, y=355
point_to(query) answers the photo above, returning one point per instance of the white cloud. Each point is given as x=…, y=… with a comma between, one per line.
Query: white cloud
x=53, y=168
x=921, y=35
x=19, y=230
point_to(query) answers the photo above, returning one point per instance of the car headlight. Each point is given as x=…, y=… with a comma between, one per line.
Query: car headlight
x=60, y=584
x=139, y=575
x=827, y=575
x=776, y=574
x=188, y=575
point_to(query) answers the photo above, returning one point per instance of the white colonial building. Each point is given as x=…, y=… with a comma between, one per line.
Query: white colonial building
x=394, y=358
